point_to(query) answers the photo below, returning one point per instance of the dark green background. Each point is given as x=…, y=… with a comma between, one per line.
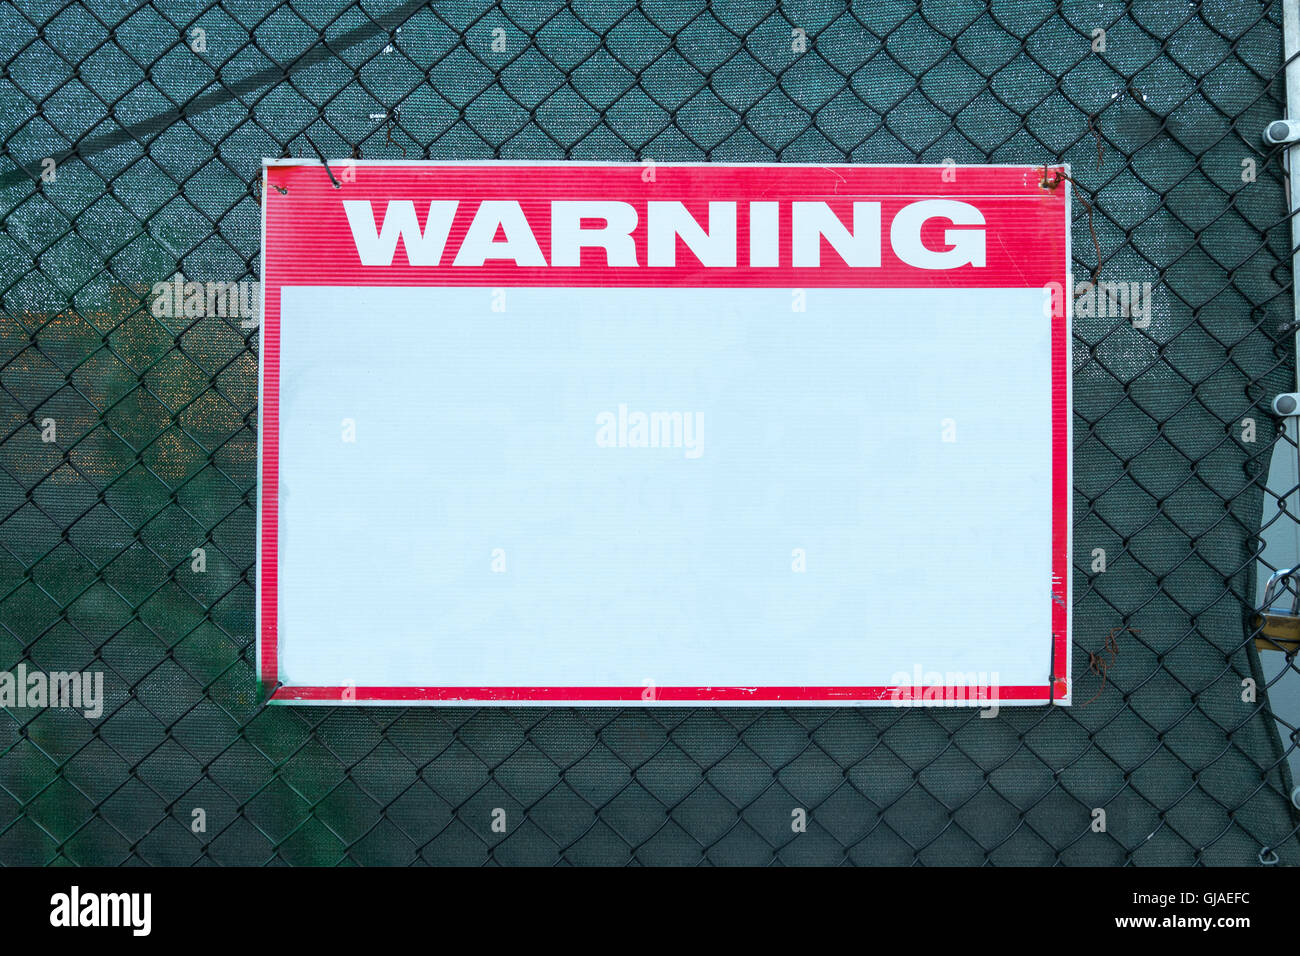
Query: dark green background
x=159, y=151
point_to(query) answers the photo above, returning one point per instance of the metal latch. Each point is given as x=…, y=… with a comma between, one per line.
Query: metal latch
x=1279, y=630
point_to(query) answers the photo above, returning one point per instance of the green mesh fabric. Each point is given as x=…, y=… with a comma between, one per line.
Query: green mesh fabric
x=157, y=152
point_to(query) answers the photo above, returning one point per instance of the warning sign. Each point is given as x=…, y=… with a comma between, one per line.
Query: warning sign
x=647, y=434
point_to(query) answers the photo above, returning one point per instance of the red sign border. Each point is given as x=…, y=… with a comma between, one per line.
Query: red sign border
x=1055, y=690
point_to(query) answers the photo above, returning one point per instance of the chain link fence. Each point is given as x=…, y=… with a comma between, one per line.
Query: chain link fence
x=133, y=136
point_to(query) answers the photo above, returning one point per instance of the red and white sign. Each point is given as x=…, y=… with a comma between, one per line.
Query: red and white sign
x=664, y=434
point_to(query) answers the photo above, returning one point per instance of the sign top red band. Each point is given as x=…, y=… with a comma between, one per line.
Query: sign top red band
x=709, y=225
